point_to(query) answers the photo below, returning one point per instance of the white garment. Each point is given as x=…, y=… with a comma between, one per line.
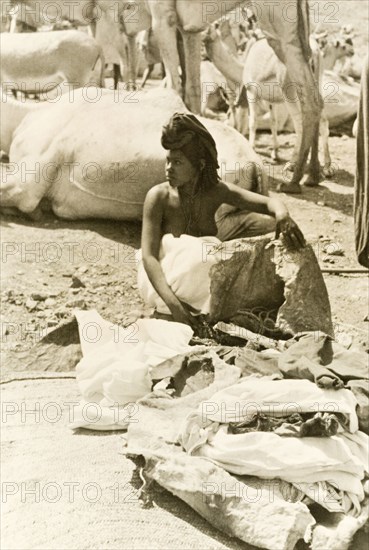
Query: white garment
x=115, y=369
x=186, y=262
x=339, y=460
x=244, y=400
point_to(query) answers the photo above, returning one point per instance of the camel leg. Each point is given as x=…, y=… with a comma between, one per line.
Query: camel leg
x=294, y=109
x=192, y=50
x=146, y=74
x=116, y=74
x=328, y=169
x=274, y=129
x=252, y=118
x=314, y=166
x=132, y=62
x=23, y=185
x=164, y=25
x=289, y=40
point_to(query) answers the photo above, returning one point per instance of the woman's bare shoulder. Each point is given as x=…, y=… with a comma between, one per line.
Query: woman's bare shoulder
x=158, y=192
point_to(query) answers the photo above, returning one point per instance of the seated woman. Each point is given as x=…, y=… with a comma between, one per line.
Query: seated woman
x=186, y=204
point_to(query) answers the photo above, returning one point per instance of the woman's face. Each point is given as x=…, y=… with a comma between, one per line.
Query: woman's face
x=179, y=170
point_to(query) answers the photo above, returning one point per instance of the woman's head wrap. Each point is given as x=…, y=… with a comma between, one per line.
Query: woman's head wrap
x=186, y=133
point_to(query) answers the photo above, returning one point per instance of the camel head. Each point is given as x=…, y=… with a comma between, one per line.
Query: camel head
x=339, y=46
x=210, y=37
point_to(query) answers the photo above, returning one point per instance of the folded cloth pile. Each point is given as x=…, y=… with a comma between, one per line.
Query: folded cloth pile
x=115, y=369
x=329, y=470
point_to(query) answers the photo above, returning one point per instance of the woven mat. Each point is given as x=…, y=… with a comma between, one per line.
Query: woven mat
x=40, y=453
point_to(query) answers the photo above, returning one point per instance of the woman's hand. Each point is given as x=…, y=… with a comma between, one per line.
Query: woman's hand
x=181, y=314
x=290, y=231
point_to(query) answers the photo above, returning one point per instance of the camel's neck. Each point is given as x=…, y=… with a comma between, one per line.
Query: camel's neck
x=224, y=61
x=12, y=113
x=221, y=10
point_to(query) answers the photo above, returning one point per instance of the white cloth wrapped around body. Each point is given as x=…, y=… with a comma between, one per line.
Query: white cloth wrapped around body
x=186, y=262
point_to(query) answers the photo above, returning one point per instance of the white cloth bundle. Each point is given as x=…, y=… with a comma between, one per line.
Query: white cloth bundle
x=115, y=369
x=339, y=460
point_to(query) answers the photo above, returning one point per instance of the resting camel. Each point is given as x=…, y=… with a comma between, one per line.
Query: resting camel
x=105, y=170
x=42, y=61
x=86, y=13
x=260, y=75
x=287, y=36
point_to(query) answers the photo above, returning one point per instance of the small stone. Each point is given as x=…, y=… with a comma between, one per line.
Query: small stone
x=41, y=314
x=321, y=203
x=50, y=302
x=17, y=302
x=334, y=249
x=31, y=304
x=61, y=314
x=77, y=283
x=83, y=269
x=20, y=272
x=74, y=290
x=76, y=303
x=38, y=296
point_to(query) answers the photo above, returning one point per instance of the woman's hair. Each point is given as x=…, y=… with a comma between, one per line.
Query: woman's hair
x=186, y=133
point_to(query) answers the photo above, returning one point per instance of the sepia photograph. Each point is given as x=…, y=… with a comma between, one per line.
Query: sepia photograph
x=184, y=216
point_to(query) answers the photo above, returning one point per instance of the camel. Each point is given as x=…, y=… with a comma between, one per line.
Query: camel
x=104, y=14
x=42, y=61
x=260, y=76
x=97, y=154
x=287, y=36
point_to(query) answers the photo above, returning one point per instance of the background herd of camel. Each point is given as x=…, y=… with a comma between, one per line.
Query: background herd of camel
x=288, y=56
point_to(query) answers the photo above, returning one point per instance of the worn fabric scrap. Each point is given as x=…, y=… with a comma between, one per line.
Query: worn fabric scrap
x=295, y=425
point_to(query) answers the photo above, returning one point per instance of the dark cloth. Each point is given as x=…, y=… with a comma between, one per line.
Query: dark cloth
x=296, y=425
x=318, y=358
x=361, y=192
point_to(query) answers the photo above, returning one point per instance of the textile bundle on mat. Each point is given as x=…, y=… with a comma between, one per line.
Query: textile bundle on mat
x=115, y=370
x=276, y=476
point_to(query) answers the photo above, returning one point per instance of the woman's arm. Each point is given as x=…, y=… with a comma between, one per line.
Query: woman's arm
x=150, y=245
x=247, y=200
